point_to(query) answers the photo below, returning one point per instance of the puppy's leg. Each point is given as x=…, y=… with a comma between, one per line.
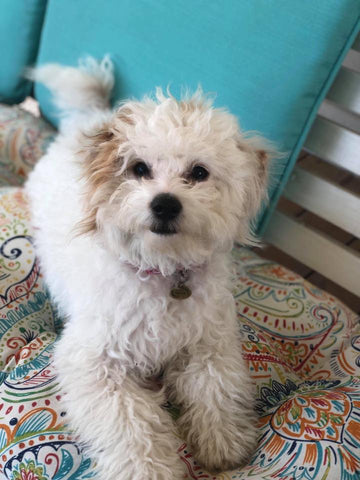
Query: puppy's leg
x=213, y=387
x=127, y=432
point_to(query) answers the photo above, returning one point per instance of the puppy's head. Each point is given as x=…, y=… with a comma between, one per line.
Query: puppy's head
x=170, y=182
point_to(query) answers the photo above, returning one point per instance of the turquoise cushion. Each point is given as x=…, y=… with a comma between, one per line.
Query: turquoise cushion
x=20, y=27
x=270, y=62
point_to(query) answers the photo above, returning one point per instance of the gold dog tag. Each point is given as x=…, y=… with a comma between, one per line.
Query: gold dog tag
x=181, y=292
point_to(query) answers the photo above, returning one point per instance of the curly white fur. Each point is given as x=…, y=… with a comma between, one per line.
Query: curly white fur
x=95, y=245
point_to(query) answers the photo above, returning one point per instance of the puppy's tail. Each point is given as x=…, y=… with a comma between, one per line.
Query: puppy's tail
x=77, y=90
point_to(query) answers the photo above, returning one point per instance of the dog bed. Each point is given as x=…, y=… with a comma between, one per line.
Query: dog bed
x=302, y=346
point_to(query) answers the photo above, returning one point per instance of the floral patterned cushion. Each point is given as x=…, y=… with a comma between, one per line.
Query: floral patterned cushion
x=302, y=347
x=23, y=139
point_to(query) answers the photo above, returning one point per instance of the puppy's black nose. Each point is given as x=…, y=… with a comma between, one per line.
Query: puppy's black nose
x=165, y=207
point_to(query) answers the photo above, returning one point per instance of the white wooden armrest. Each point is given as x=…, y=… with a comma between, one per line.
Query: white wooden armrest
x=334, y=144
x=326, y=199
x=345, y=90
x=316, y=250
x=335, y=139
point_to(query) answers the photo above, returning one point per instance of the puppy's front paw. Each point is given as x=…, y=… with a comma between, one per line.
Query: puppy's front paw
x=227, y=448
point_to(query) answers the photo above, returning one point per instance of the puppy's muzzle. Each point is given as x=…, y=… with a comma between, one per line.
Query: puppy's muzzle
x=166, y=209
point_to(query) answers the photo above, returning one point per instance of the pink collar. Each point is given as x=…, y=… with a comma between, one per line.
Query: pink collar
x=155, y=271
x=179, y=289
x=152, y=271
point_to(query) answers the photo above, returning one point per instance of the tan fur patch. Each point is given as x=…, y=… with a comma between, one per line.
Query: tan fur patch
x=263, y=160
x=124, y=114
x=262, y=155
x=100, y=167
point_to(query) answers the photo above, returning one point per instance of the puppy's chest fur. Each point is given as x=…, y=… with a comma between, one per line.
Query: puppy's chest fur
x=151, y=328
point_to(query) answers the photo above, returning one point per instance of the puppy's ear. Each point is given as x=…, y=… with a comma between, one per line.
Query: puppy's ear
x=100, y=165
x=101, y=159
x=263, y=160
x=258, y=153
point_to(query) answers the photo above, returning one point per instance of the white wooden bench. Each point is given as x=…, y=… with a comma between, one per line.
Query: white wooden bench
x=334, y=138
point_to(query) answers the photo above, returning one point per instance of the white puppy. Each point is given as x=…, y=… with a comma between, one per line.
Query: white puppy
x=136, y=211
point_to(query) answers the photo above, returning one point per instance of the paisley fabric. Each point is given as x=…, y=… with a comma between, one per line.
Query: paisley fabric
x=303, y=351
x=301, y=344
x=34, y=443
x=23, y=139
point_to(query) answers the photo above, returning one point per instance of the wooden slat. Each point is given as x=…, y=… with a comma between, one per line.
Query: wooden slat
x=335, y=113
x=345, y=90
x=326, y=199
x=333, y=260
x=352, y=60
x=334, y=144
x=356, y=45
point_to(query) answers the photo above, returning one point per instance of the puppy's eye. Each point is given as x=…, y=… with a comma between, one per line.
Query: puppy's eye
x=140, y=169
x=199, y=173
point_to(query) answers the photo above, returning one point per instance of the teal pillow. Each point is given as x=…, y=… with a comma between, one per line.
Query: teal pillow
x=20, y=28
x=270, y=62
